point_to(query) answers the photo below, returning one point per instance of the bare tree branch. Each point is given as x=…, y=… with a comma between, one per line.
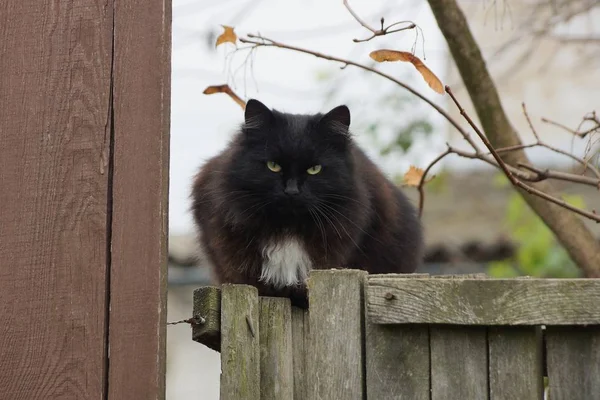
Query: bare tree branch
x=577, y=240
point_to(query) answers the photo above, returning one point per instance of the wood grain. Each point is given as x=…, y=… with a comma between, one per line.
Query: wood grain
x=240, y=343
x=484, y=302
x=300, y=332
x=336, y=334
x=138, y=275
x=207, y=305
x=397, y=359
x=459, y=362
x=515, y=363
x=573, y=361
x=55, y=58
x=276, y=355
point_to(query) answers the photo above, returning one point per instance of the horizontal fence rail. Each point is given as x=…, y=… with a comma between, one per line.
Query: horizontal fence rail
x=407, y=337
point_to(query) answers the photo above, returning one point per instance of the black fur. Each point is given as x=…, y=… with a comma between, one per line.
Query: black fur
x=348, y=215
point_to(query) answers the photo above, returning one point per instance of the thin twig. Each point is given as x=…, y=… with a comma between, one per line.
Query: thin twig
x=564, y=176
x=422, y=181
x=378, y=32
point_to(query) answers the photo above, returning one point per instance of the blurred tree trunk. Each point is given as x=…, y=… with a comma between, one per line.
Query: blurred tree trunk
x=578, y=241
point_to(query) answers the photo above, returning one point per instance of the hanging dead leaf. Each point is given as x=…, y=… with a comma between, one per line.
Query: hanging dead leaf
x=413, y=176
x=227, y=90
x=228, y=35
x=393, y=55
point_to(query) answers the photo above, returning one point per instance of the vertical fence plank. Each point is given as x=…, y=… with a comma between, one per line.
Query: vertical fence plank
x=300, y=348
x=240, y=350
x=573, y=361
x=140, y=171
x=276, y=356
x=458, y=363
x=459, y=358
x=397, y=359
x=55, y=63
x=207, y=306
x=336, y=334
x=515, y=363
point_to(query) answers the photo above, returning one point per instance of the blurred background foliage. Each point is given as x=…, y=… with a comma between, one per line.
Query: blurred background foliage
x=538, y=253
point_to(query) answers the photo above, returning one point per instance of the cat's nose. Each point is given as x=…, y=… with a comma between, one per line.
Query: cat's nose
x=291, y=187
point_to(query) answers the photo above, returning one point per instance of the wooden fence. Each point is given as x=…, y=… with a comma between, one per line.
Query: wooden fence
x=406, y=337
x=84, y=155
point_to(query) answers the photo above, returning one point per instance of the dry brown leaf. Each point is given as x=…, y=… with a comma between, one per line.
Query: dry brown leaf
x=227, y=90
x=228, y=35
x=393, y=55
x=413, y=176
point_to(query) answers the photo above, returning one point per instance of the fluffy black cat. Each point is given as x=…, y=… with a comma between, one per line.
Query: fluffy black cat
x=293, y=193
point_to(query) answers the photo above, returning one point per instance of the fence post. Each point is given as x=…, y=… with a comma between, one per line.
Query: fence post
x=276, y=356
x=240, y=350
x=335, y=357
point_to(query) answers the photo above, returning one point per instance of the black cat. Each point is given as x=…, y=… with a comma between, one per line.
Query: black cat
x=293, y=193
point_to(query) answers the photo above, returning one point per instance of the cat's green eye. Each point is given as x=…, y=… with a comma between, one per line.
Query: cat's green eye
x=315, y=169
x=273, y=166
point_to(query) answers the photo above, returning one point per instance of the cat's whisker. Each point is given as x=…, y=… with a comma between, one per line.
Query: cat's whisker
x=315, y=217
x=350, y=220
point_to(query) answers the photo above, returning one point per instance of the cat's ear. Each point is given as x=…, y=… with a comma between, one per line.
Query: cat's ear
x=256, y=115
x=337, y=119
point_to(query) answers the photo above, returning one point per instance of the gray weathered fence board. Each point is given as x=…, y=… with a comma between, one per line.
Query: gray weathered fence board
x=300, y=348
x=484, y=302
x=207, y=305
x=397, y=359
x=335, y=336
x=515, y=363
x=240, y=350
x=573, y=361
x=276, y=356
x=459, y=362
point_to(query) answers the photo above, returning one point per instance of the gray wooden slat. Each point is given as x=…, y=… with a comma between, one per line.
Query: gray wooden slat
x=207, y=305
x=459, y=363
x=300, y=332
x=484, y=302
x=515, y=363
x=335, y=356
x=397, y=359
x=240, y=350
x=573, y=361
x=276, y=356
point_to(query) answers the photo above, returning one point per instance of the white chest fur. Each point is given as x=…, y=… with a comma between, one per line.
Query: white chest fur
x=285, y=263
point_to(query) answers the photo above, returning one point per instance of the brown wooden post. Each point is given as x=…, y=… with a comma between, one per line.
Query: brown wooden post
x=55, y=59
x=84, y=138
x=138, y=275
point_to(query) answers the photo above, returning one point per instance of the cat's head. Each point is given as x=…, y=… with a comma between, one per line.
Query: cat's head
x=289, y=165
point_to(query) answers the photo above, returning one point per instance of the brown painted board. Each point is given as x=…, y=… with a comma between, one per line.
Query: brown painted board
x=484, y=301
x=300, y=332
x=240, y=343
x=515, y=363
x=397, y=359
x=207, y=311
x=573, y=361
x=276, y=353
x=138, y=275
x=459, y=362
x=335, y=364
x=55, y=61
